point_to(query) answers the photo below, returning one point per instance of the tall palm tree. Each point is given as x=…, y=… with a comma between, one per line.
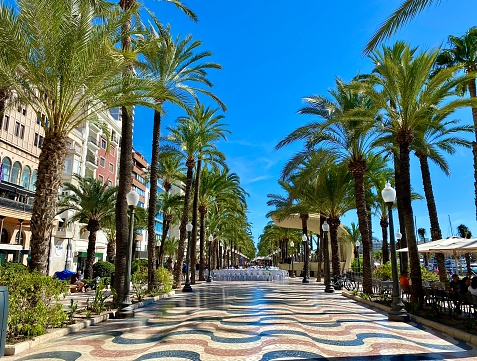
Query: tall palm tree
x=343, y=132
x=65, y=54
x=190, y=138
x=421, y=232
x=408, y=98
x=403, y=14
x=91, y=201
x=464, y=232
x=435, y=137
x=463, y=51
x=173, y=65
x=170, y=205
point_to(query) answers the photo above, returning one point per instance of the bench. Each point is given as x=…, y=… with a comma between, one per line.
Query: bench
x=73, y=288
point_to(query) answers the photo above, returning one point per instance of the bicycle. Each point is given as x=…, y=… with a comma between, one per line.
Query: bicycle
x=340, y=281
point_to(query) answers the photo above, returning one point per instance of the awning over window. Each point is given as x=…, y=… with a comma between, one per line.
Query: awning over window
x=84, y=255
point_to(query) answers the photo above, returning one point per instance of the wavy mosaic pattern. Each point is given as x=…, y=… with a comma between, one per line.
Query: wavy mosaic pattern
x=255, y=321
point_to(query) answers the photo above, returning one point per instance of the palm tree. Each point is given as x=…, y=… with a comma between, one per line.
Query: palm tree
x=463, y=52
x=65, y=54
x=172, y=64
x=414, y=99
x=464, y=232
x=344, y=133
x=404, y=13
x=91, y=201
x=194, y=134
x=170, y=205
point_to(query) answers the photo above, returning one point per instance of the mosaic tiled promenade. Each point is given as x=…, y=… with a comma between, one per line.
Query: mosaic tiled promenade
x=254, y=321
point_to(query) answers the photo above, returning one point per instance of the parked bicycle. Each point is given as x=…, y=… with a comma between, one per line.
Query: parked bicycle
x=340, y=281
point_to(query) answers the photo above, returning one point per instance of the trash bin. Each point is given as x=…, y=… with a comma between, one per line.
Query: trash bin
x=3, y=317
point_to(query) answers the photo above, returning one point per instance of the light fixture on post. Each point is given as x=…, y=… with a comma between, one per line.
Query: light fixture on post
x=304, y=238
x=126, y=310
x=292, y=244
x=187, y=287
x=328, y=287
x=397, y=312
x=209, y=277
x=398, y=237
x=358, y=243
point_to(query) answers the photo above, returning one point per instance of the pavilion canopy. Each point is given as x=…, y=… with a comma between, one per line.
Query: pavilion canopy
x=451, y=245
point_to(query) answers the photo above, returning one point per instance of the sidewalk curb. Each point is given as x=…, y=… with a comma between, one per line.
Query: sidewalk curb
x=465, y=336
x=11, y=350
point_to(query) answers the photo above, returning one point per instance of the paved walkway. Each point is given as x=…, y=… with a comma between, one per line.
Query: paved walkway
x=254, y=321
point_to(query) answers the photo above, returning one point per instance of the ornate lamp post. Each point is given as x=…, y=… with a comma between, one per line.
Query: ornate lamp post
x=398, y=237
x=209, y=277
x=292, y=244
x=126, y=310
x=358, y=243
x=328, y=287
x=187, y=287
x=304, y=238
x=397, y=312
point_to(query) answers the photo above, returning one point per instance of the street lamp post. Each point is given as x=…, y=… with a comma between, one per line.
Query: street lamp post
x=209, y=277
x=358, y=243
x=126, y=310
x=292, y=244
x=304, y=238
x=398, y=237
x=397, y=312
x=187, y=287
x=328, y=287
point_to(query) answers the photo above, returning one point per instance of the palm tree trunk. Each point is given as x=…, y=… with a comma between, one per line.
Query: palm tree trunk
x=165, y=229
x=185, y=218
x=473, y=94
x=125, y=168
x=404, y=264
x=111, y=250
x=50, y=170
x=195, y=208
x=357, y=170
x=384, y=231
x=201, y=246
x=432, y=210
x=335, y=254
x=93, y=227
x=417, y=296
x=151, y=211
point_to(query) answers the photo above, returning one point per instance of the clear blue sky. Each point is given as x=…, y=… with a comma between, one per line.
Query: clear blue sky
x=273, y=53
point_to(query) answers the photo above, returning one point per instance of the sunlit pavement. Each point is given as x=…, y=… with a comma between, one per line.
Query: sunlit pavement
x=254, y=321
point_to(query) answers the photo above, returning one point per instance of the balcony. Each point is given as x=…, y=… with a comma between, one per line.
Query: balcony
x=15, y=205
x=92, y=162
x=93, y=143
x=65, y=232
x=73, y=147
x=115, y=140
x=15, y=197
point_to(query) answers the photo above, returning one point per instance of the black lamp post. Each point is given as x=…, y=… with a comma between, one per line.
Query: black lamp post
x=398, y=237
x=209, y=277
x=397, y=312
x=328, y=287
x=126, y=310
x=358, y=243
x=187, y=287
x=304, y=238
x=292, y=244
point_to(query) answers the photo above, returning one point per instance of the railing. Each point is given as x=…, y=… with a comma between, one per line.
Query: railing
x=19, y=206
x=92, y=160
x=93, y=140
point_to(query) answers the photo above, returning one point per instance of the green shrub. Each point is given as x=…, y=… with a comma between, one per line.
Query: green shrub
x=384, y=272
x=103, y=269
x=138, y=264
x=33, y=302
x=139, y=280
x=164, y=279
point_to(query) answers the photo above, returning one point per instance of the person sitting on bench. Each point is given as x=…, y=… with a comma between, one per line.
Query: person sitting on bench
x=76, y=280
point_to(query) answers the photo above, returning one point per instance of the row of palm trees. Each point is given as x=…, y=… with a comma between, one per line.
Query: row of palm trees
x=364, y=134
x=73, y=59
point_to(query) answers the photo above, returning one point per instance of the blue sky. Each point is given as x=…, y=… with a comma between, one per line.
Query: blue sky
x=273, y=53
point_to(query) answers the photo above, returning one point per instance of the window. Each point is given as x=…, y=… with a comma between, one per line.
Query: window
x=36, y=140
x=24, y=111
x=68, y=164
x=102, y=162
x=40, y=143
x=16, y=171
x=103, y=143
x=5, y=125
x=22, y=131
x=110, y=184
x=111, y=167
x=7, y=168
x=101, y=178
x=76, y=166
x=26, y=177
x=16, y=130
x=33, y=180
x=112, y=150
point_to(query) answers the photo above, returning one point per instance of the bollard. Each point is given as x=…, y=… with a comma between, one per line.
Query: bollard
x=3, y=317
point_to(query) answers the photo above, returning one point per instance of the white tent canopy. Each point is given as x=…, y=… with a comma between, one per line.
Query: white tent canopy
x=451, y=245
